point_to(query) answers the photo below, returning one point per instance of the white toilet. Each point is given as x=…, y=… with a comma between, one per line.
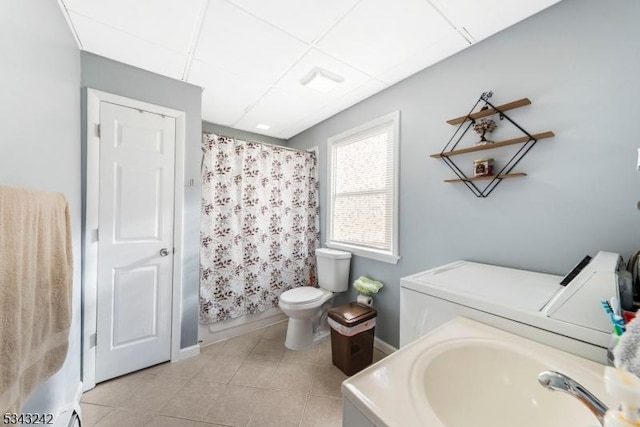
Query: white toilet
x=307, y=306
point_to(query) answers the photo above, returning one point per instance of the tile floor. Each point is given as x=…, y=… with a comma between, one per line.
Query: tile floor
x=251, y=380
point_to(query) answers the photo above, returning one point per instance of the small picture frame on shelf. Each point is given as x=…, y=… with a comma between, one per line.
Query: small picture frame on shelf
x=482, y=167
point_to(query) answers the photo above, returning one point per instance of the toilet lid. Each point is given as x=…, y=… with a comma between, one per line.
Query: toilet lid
x=301, y=295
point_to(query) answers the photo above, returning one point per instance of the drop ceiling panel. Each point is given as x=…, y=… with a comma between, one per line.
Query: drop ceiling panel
x=485, y=18
x=305, y=19
x=278, y=109
x=226, y=95
x=371, y=87
x=450, y=42
x=221, y=113
x=368, y=89
x=250, y=55
x=168, y=23
x=377, y=34
x=105, y=41
x=233, y=38
x=314, y=58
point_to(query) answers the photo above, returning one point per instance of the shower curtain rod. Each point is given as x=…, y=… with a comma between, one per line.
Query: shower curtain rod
x=259, y=142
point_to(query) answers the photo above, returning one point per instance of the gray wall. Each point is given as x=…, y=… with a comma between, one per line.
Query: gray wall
x=40, y=143
x=579, y=63
x=121, y=79
x=241, y=134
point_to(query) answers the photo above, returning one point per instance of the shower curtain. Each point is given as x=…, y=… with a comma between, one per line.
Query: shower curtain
x=259, y=225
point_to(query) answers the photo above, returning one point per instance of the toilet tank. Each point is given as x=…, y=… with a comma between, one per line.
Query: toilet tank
x=333, y=269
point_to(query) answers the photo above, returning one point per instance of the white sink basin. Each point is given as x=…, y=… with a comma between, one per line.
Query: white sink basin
x=484, y=383
x=467, y=374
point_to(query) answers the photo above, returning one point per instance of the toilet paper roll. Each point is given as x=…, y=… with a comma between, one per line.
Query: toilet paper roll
x=365, y=299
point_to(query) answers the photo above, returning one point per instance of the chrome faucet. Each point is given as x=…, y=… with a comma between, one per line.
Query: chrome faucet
x=557, y=381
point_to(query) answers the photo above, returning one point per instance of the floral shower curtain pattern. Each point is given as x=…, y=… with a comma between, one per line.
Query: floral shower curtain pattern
x=259, y=225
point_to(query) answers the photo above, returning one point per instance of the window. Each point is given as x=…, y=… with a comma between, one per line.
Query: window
x=363, y=189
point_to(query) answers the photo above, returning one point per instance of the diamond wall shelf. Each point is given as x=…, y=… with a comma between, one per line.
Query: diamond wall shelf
x=467, y=122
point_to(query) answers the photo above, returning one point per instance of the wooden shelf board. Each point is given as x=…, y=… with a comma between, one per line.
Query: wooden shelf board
x=518, y=140
x=489, y=111
x=509, y=175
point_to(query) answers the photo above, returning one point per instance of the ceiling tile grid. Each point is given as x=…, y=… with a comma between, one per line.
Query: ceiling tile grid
x=275, y=109
x=484, y=18
x=168, y=23
x=235, y=38
x=304, y=19
x=229, y=93
x=368, y=89
x=380, y=33
x=106, y=41
x=250, y=56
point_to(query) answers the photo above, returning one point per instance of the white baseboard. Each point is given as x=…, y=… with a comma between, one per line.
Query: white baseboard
x=383, y=346
x=188, y=352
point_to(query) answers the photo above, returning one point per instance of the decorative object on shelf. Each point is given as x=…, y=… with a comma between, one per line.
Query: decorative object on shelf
x=483, y=126
x=366, y=287
x=482, y=167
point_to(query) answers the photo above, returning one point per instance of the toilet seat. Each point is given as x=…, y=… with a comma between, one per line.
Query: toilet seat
x=302, y=295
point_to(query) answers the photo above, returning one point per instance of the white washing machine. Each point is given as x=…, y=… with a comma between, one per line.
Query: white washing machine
x=534, y=305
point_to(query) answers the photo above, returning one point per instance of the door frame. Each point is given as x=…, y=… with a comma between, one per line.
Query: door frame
x=90, y=229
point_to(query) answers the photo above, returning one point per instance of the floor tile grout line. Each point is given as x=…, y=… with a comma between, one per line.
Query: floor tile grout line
x=194, y=420
x=103, y=416
x=326, y=396
x=304, y=410
x=173, y=395
x=235, y=372
x=317, y=356
x=114, y=409
x=174, y=417
x=98, y=404
x=255, y=409
x=141, y=411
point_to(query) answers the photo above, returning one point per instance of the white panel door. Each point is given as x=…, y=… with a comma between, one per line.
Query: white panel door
x=135, y=241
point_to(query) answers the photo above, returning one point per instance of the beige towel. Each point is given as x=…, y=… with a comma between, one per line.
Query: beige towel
x=35, y=290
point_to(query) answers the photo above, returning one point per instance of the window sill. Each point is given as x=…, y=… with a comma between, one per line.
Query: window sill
x=365, y=252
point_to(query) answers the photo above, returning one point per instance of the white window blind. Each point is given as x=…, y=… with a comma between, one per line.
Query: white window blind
x=363, y=185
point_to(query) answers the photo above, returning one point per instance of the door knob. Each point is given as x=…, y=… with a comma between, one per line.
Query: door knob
x=164, y=252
